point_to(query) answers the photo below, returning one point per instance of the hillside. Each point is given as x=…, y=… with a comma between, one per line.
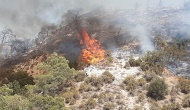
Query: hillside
x=102, y=60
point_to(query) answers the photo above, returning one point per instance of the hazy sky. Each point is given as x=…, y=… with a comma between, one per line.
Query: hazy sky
x=140, y=3
x=26, y=17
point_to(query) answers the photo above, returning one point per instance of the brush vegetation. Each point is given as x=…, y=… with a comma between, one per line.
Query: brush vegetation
x=63, y=88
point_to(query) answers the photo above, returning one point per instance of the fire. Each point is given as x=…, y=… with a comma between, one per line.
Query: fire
x=93, y=52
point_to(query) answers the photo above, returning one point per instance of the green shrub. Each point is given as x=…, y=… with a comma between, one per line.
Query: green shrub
x=145, y=66
x=56, y=74
x=141, y=81
x=14, y=102
x=149, y=76
x=158, y=69
x=5, y=90
x=57, y=65
x=88, y=80
x=153, y=58
x=17, y=89
x=22, y=77
x=84, y=87
x=184, y=85
x=186, y=101
x=95, y=95
x=46, y=102
x=174, y=91
x=157, y=89
x=108, y=77
x=105, y=97
x=160, y=43
x=109, y=106
x=173, y=106
x=153, y=61
x=68, y=83
x=4, y=73
x=71, y=96
x=138, y=107
x=90, y=104
x=141, y=97
x=130, y=83
x=101, y=97
x=134, y=62
x=154, y=105
x=95, y=81
x=175, y=51
x=80, y=76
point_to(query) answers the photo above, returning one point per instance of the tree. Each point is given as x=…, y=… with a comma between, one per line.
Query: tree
x=154, y=62
x=56, y=72
x=46, y=102
x=134, y=62
x=15, y=102
x=57, y=66
x=154, y=58
x=4, y=73
x=22, y=77
x=5, y=91
x=20, y=46
x=17, y=88
x=157, y=89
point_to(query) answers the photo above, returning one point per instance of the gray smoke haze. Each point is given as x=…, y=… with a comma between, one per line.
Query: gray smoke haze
x=26, y=17
x=143, y=36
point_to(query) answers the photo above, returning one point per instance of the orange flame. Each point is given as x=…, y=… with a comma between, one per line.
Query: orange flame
x=93, y=52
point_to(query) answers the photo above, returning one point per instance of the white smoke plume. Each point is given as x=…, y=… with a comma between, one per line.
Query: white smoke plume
x=144, y=37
